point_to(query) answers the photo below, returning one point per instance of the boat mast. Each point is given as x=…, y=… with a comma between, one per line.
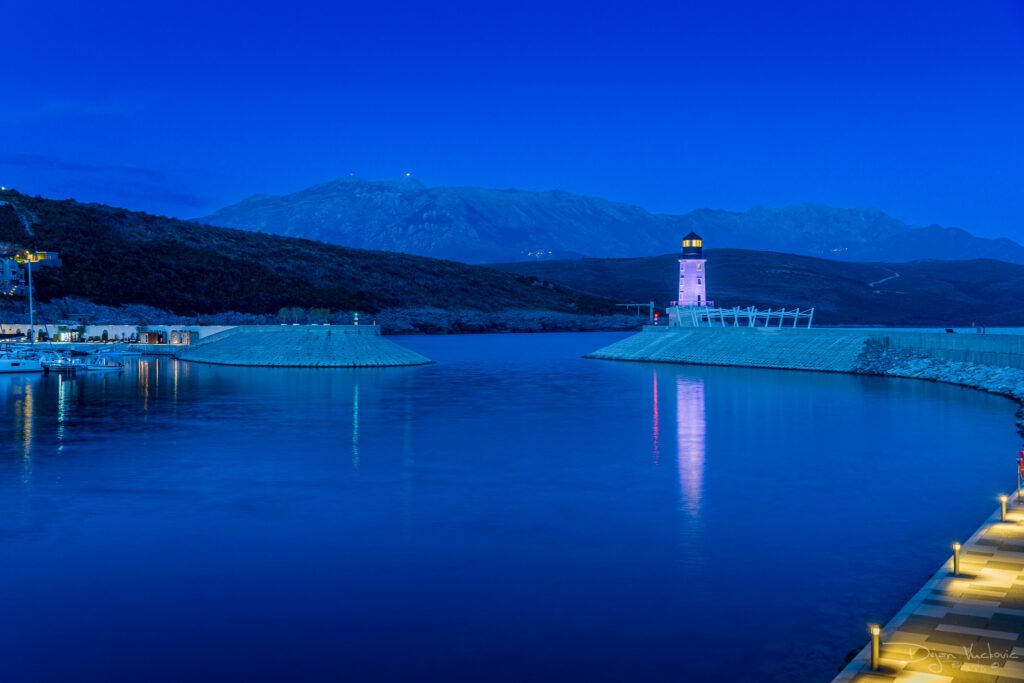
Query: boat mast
x=31, y=309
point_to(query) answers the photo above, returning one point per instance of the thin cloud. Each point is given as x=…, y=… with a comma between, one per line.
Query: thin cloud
x=56, y=164
x=119, y=183
x=155, y=193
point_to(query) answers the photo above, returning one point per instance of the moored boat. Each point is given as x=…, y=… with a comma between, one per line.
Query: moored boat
x=13, y=363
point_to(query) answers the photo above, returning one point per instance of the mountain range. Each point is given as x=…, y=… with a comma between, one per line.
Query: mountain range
x=111, y=257
x=479, y=225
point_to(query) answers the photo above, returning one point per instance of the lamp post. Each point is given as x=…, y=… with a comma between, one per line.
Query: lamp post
x=876, y=632
x=956, y=559
x=1002, y=507
x=31, y=307
x=28, y=258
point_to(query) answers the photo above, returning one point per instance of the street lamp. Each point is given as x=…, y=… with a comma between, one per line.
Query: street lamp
x=876, y=632
x=28, y=258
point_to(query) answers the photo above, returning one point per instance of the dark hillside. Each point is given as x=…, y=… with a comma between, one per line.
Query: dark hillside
x=113, y=257
x=928, y=293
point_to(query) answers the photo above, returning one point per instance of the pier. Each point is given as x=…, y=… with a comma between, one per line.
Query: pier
x=959, y=628
x=989, y=362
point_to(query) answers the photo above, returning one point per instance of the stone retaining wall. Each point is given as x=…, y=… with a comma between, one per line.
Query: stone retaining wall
x=301, y=346
x=989, y=362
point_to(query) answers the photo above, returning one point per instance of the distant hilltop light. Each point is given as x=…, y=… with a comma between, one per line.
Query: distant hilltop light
x=408, y=174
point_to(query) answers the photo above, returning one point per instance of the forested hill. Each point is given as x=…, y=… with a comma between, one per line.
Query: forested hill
x=113, y=257
x=926, y=292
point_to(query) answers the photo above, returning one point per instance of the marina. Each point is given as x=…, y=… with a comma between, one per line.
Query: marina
x=512, y=342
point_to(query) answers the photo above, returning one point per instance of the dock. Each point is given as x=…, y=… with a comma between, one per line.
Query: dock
x=966, y=628
x=993, y=363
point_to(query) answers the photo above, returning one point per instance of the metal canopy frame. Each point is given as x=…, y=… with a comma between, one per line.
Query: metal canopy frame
x=749, y=316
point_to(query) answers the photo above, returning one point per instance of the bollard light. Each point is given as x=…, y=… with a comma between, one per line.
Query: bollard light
x=876, y=632
x=956, y=559
x=1002, y=502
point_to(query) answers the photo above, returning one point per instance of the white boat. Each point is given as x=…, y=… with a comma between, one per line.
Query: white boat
x=59, y=362
x=119, y=353
x=98, y=363
x=12, y=363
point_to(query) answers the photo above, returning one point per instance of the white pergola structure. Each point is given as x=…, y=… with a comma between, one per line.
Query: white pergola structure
x=707, y=316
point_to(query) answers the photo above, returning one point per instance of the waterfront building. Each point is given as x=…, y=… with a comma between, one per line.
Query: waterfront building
x=693, y=273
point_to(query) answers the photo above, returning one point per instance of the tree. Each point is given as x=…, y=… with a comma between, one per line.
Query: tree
x=285, y=314
x=298, y=314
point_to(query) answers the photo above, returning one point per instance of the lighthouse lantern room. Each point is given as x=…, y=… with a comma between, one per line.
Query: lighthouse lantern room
x=692, y=272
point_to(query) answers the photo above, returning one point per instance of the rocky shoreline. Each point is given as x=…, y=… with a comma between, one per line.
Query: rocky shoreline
x=391, y=320
x=876, y=359
x=992, y=363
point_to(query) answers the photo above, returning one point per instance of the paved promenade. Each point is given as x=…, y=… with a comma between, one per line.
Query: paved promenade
x=960, y=629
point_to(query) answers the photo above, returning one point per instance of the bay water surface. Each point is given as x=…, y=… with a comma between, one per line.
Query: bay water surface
x=513, y=512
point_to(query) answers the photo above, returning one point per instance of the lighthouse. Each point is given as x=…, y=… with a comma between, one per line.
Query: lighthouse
x=692, y=274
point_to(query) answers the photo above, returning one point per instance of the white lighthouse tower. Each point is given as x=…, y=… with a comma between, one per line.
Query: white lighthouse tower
x=692, y=273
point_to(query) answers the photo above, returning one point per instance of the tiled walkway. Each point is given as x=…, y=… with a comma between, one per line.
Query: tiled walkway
x=968, y=628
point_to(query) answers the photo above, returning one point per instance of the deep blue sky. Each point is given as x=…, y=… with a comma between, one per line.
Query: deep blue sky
x=914, y=107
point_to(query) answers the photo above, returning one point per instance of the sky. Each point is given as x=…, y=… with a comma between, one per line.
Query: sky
x=181, y=108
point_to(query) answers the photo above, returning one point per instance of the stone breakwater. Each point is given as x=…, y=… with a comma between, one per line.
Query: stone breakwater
x=317, y=346
x=877, y=359
x=991, y=362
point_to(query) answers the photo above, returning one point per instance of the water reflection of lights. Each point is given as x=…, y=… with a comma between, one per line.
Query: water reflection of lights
x=142, y=379
x=175, y=368
x=656, y=426
x=355, y=426
x=24, y=410
x=690, y=434
x=63, y=389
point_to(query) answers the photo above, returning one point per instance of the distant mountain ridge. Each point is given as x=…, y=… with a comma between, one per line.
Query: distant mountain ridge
x=115, y=258
x=479, y=225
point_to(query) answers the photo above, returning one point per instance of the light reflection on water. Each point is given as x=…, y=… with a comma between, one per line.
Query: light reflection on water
x=690, y=435
x=511, y=512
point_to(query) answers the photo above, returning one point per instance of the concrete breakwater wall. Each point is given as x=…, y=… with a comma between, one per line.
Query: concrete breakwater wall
x=301, y=346
x=989, y=362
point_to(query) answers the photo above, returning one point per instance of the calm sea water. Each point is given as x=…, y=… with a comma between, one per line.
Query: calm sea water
x=512, y=513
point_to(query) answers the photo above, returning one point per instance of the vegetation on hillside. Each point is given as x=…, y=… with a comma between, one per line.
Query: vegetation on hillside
x=115, y=257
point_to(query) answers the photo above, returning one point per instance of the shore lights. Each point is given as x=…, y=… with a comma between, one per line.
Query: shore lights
x=876, y=632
